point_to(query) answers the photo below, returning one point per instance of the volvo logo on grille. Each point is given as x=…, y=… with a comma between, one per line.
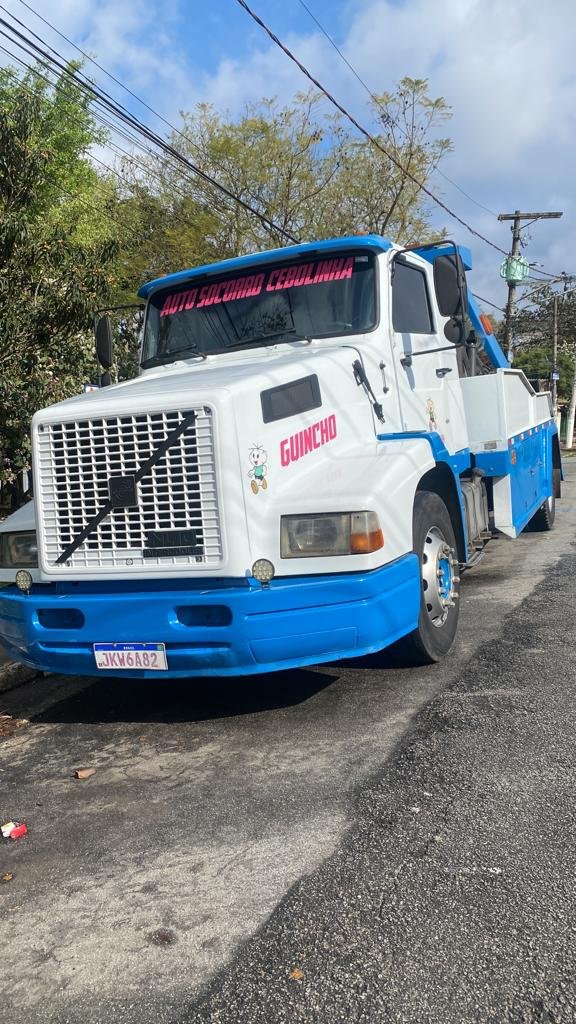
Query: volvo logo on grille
x=171, y=543
x=122, y=491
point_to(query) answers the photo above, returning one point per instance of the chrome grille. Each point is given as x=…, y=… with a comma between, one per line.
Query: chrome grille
x=76, y=460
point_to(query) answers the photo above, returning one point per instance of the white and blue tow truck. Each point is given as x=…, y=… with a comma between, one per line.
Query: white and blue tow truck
x=321, y=438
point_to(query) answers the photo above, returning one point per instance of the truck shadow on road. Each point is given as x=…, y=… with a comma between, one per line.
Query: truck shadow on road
x=182, y=700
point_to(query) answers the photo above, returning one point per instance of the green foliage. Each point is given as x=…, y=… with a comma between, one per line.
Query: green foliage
x=299, y=165
x=534, y=328
x=55, y=257
x=537, y=365
x=73, y=240
x=373, y=192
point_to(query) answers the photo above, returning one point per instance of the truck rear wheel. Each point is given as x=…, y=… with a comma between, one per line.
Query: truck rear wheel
x=543, y=519
x=435, y=545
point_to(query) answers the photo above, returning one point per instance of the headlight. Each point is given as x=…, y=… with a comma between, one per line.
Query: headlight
x=335, y=533
x=18, y=550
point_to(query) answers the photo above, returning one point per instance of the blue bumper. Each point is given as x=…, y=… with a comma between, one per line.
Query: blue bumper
x=213, y=628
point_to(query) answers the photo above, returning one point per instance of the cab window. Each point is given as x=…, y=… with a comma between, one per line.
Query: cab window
x=411, y=313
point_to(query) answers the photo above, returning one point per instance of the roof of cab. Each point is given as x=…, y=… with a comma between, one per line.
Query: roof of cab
x=374, y=242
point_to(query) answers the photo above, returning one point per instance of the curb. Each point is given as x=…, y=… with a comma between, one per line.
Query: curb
x=12, y=674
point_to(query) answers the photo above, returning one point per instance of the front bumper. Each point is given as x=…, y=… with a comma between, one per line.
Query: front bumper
x=213, y=627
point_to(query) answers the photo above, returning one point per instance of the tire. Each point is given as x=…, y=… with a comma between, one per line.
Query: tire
x=435, y=545
x=543, y=519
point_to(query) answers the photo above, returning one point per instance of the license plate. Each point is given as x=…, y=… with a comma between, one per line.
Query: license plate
x=119, y=657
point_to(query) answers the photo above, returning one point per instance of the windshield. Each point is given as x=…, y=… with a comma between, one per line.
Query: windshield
x=286, y=301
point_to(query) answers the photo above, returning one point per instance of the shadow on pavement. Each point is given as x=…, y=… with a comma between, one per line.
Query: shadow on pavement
x=186, y=700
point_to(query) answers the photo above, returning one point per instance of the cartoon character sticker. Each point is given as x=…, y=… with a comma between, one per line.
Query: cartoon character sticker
x=431, y=414
x=258, y=457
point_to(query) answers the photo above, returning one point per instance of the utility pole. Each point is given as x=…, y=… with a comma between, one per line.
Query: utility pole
x=517, y=217
x=554, y=388
x=567, y=278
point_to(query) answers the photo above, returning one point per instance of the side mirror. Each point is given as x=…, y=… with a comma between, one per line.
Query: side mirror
x=454, y=330
x=450, y=285
x=104, y=342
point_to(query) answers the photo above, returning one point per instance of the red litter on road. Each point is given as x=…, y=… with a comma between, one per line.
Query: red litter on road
x=14, y=830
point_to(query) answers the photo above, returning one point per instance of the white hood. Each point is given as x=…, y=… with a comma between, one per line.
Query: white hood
x=250, y=471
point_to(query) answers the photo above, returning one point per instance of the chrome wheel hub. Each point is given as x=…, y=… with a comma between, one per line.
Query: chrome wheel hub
x=439, y=576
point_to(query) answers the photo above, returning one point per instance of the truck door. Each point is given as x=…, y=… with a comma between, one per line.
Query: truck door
x=428, y=380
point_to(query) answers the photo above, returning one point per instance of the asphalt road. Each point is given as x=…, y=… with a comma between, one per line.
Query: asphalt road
x=351, y=843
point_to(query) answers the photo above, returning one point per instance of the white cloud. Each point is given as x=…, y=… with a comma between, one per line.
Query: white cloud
x=137, y=43
x=510, y=82
x=507, y=71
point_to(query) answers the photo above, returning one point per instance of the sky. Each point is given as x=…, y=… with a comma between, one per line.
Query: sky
x=507, y=70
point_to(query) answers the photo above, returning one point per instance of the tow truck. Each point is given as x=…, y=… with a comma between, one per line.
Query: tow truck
x=321, y=439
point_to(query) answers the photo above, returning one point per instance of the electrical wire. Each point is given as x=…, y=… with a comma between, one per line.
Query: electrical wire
x=488, y=303
x=113, y=78
x=88, y=204
x=103, y=99
x=364, y=131
x=177, y=131
x=124, y=153
x=116, y=150
x=305, y=71
x=119, y=111
x=91, y=205
x=381, y=105
x=101, y=68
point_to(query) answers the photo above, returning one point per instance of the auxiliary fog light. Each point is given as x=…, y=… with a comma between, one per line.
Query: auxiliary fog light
x=24, y=580
x=263, y=570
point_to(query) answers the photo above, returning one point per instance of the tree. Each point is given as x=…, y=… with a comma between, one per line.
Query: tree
x=534, y=325
x=382, y=193
x=300, y=166
x=536, y=362
x=55, y=254
x=73, y=240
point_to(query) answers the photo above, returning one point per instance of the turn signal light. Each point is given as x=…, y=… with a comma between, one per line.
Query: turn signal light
x=365, y=533
x=364, y=543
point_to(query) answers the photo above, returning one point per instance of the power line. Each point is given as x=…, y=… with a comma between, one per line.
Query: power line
x=546, y=273
x=488, y=303
x=101, y=98
x=91, y=204
x=124, y=115
x=176, y=130
x=371, y=138
x=186, y=177
x=119, y=150
x=113, y=78
x=180, y=158
x=109, y=124
x=109, y=74
x=97, y=65
x=363, y=130
x=379, y=102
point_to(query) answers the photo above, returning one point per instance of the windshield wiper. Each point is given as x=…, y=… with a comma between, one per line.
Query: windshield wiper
x=270, y=339
x=171, y=357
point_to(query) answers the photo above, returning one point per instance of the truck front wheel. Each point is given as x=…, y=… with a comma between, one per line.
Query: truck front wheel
x=435, y=545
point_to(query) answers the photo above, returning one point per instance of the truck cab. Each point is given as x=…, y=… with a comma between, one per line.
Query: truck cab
x=312, y=453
